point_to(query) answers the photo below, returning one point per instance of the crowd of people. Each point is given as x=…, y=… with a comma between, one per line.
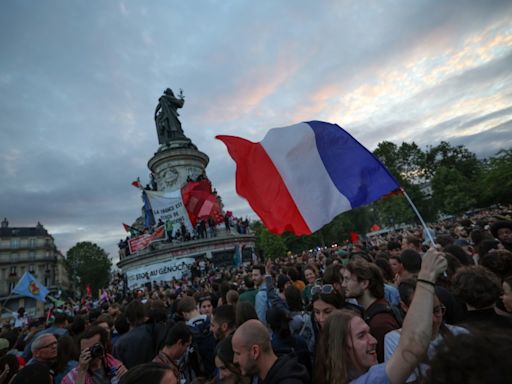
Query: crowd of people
x=178, y=233
x=391, y=309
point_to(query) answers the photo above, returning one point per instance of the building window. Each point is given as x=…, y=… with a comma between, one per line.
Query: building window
x=32, y=243
x=32, y=255
x=31, y=268
x=15, y=243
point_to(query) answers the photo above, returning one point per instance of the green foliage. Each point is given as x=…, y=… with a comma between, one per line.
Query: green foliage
x=498, y=179
x=87, y=263
x=393, y=211
x=455, y=176
x=453, y=191
x=268, y=244
x=405, y=162
x=459, y=158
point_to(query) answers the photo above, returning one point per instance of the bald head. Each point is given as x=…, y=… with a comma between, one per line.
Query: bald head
x=253, y=332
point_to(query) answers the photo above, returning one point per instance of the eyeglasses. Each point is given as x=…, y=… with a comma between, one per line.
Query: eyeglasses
x=325, y=289
x=439, y=310
x=52, y=344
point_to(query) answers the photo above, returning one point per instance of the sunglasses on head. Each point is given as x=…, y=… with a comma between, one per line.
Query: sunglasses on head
x=325, y=289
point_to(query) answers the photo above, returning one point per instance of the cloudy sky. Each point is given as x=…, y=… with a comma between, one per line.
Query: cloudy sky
x=79, y=82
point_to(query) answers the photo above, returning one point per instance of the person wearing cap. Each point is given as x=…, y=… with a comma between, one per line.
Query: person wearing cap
x=502, y=230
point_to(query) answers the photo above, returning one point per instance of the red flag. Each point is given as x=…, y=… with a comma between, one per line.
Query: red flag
x=200, y=201
x=374, y=228
x=354, y=237
x=136, y=184
x=49, y=316
x=126, y=227
x=396, y=192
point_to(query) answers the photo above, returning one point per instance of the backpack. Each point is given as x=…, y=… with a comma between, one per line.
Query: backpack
x=383, y=308
x=305, y=329
x=200, y=357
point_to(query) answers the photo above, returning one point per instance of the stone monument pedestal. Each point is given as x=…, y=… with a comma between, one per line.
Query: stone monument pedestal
x=173, y=164
x=176, y=162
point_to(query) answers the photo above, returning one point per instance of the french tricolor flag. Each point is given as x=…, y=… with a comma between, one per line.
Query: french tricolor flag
x=298, y=178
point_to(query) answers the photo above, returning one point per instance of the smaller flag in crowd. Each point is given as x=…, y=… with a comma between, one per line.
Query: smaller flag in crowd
x=29, y=286
x=137, y=183
x=55, y=301
x=50, y=317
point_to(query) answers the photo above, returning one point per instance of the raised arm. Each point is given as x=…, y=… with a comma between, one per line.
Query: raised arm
x=273, y=298
x=417, y=327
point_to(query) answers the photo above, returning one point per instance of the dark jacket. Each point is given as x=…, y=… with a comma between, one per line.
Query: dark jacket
x=287, y=370
x=135, y=347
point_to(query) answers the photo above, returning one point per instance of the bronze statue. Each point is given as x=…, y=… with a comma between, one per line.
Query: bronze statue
x=168, y=126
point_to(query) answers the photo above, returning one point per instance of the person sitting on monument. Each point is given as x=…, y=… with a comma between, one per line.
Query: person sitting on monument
x=168, y=230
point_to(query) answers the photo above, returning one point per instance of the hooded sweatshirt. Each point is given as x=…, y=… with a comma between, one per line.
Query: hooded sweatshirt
x=287, y=370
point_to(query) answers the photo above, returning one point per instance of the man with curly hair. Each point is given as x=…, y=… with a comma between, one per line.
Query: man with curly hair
x=479, y=289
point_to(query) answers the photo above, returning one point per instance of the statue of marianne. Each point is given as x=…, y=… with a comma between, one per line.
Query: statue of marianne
x=168, y=126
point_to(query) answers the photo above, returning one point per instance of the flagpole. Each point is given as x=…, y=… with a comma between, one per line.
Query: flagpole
x=5, y=302
x=419, y=216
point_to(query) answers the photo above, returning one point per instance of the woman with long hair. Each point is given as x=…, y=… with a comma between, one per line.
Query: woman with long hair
x=325, y=300
x=67, y=357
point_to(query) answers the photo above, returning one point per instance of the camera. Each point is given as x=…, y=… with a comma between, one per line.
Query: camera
x=97, y=350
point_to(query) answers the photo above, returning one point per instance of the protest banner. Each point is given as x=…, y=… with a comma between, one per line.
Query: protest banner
x=169, y=206
x=164, y=271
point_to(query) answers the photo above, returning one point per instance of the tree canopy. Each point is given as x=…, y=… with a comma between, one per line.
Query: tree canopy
x=88, y=264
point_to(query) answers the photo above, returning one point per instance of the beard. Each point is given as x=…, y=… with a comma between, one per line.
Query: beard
x=250, y=369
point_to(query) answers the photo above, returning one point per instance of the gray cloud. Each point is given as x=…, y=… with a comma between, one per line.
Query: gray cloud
x=79, y=83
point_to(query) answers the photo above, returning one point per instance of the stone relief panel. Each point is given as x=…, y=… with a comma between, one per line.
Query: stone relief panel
x=169, y=177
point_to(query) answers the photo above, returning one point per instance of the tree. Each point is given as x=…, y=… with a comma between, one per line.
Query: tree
x=88, y=264
x=453, y=192
x=498, y=179
x=459, y=158
x=456, y=175
x=268, y=244
x=407, y=164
